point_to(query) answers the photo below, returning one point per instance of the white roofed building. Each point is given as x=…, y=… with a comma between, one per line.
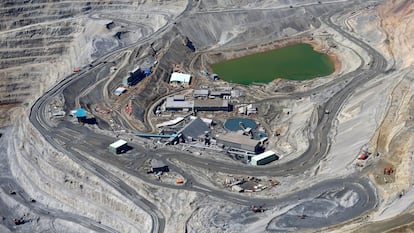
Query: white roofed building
x=180, y=78
x=264, y=158
x=118, y=147
x=119, y=91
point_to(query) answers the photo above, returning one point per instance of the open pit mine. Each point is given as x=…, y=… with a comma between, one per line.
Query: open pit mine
x=206, y=116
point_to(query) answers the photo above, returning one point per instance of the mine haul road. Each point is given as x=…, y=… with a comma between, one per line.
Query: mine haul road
x=318, y=146
x=38, y=117
x=9, y=186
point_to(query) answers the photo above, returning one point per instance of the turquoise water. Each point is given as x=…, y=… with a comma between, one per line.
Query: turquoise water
x=234, y=124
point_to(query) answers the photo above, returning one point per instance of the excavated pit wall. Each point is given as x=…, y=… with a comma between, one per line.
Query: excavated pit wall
x=58, y=182
x=228, y=54
x=251, y=27
x=41, y=42
x=248, y=27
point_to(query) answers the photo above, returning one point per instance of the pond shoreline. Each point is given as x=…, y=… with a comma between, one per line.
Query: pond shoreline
x=297, y=61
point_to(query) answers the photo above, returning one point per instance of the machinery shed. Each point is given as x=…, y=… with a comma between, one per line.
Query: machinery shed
x=118, y=147
x=264, y=158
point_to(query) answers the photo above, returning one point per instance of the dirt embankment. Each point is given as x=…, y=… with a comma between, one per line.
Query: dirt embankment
x=397, y=20
x=43, y=42
x=236, y=52
x=317, y=46
x=216, y=57
x=394, y=137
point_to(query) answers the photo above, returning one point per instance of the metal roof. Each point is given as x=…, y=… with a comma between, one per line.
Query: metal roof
x=263, y=155
x=81, y=112
x=211, y=103
x=180, y=77
x=205, y=120
x=201, y=92
x=238, y=138
x=119, y=91
x=170, y=122
x=220, y=93
x=179, y=97
x=195, y=128
x=118, y=143
x=135, y=70
x=171, y=103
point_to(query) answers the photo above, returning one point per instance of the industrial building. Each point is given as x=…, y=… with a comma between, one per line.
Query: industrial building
x=118, y=147
x=178, y=103
x=209, y=122
x=212, y=105
x=220, y=94
x=133, y=77
x=236, y=93
x=180, y=78
x=194, y=129
x=236, y=140
x=247, y=109
x=264, y=158
x=202, y=93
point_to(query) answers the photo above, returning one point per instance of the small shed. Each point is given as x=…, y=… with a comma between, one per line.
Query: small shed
x=118, y=147
x=236, y=188
x=81, y=115
x=251, y=109
x=158, y=166
x=236, y=93
x=119, y=91
x=214, y=77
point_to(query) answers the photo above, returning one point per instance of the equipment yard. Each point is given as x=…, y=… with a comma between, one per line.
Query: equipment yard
x=113, y=119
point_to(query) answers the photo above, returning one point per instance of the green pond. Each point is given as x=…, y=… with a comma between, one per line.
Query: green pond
x=296, y=62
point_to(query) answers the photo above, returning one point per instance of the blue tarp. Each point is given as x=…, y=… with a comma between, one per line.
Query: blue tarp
x=147, y=71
